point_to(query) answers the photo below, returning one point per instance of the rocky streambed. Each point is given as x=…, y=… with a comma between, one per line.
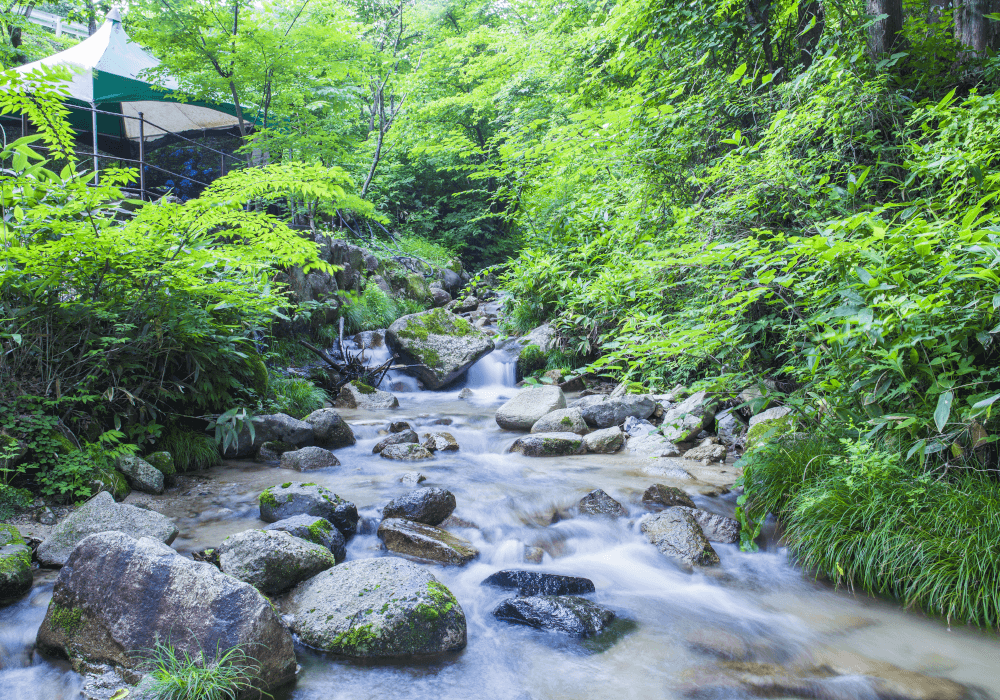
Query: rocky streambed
x=628, y=612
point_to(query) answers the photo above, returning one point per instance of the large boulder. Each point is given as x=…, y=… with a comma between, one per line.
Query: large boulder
x=677, y=534
x=395, y=438
x=568, y=614
x=406, y=452
x=425, y=542
x=329, y=429
x=430, y=506
x=529, y=405
x=442, y=345
x=272, y=561
x=539, y=583
x=439, y=297
x=274, y=427
x=15, y=565
x=549, y=445
x=164, y=463
x=717, y=528
x=383, y=607
x=101, y=514
x=659, y=496
x=598, y=502
x=606, y=441
x=356, y=394
x=614, y=411
x=117, y=597
x=296, y=498
x=316, y=530
x=683, y=422
x=563, y=420
x=307, y=459
x=140, y=474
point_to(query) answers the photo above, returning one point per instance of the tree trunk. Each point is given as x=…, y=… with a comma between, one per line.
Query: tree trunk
x=808, y=37
x=973, y=30
x=884, y=34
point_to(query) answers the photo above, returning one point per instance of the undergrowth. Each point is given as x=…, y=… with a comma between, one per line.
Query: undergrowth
x=295, y=396
x=191, y=450
x=179, y=676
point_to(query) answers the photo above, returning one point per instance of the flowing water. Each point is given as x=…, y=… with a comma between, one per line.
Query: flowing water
x=754, y=600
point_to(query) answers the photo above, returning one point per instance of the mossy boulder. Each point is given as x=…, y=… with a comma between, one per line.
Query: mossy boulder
x=549, y=445
x=329, y=429
x=164, y=463
x=15, y=565
x=425, y=542
x=677, y=534
x=531, y=360
x=296, y=498
x=443, y=346
x=357, y=394
x=114, y=482
x=140, y=474
x=770, y=424
x=316, y=530
x=272, y=561
x=563, y=420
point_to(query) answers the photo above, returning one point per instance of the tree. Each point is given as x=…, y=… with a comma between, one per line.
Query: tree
x=887, y=26
x=974, y=29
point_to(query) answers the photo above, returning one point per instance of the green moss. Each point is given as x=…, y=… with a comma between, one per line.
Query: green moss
x=362, y=387
x=66, y=445
x=163, y=462
x=319, y=530
x=286, y=484
x=430, y=357
x=360, y=638
x=442, y=598
x=257, y=371
x=530, y=360
x=567, y=421
x=768, y=429
x=267, y=499
x=69, y=620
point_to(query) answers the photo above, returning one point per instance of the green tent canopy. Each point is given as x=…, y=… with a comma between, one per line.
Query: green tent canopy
x=106, y=70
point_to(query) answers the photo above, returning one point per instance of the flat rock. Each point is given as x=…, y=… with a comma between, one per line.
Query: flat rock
x=563, y=420
x=528, y=583
x=15, y=565
x=440, y=442
x=711, y=453
x=272, y=561
x=316, y=530
x=597, y=502
x=425, y=542
x=614, y=411
x=396, y=438
x=659, y=496
x=412, y=479
x=430, y=506
x=308, y=459
x=677, y=534
x=329, y=429
x=406, y=452
x=140, y=474
x=528, y=406
x=296, y=498
x=605, y=441
x=717, y=528
x=571, y=615
x=651, y=446
x=102, y=514
x=549, y=445
x=357, y=395
x=442, y=345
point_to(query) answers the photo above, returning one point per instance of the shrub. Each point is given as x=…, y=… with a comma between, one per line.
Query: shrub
x=178, y=676
x=296, y=396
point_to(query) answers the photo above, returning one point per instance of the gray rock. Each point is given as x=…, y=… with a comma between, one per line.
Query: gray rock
x=470, y=303
x=383, y=607
x=544, y=336
x=439, y=297
x=712, y=453
x=465, y=393
x=572, y=615
x=563, y=420
x=15, y=565
x=395, y=438
x=316, y=530
x=140, y=474
x=164, y=463
x=406, y=452
x=275, y=427
x=539, y=583
x=533, y=555
x=717, y=528
x=308, y=459
x=296, y=498
x=430, y=506
x=368, y=340
x=652, y=446
x=528, y=406
x=272, y=451
x=272, y=561
x=425, y=542
x=614, y=411
x=116, y=597
x=101, y=514
x=677, y=534
x=658, y=497
x=597, y=502
x=451, y=280
x=357, y=395
x=442, y=344
x=440, y=442
x=683, y=422
x=399, y=426
x=728, y=428
x=771, y=423
x=549, y=445
x=606, y=441
x=412, y=478
x=329, y=429
x=636, y=427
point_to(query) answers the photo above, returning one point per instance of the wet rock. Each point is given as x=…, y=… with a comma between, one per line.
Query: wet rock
x=46, y=516
x=534, y=555
x=395, y=438
x=272, y=451
x=614, y=411
x=888, y=681
x=442, y=421
x=272, y=561
x=15, y=565
x=658, y=496
x=164, y=463
x=720, y=644
x=368, y=340
x=571, y=615
x=117, y=596
x=717, y=528
x=636, y=427
x=101, y=514
x=455, y=521
x=412, y=478
x=276, y=427
x=296, y=498
x=528, y=583
x=597, y=502
x=440, y=442
x=308, y=459
x=528, y=406
x=606, y=441
x=652, y=446
x=442, y=344
x=439, y=297
x=563, y=420
x=140, y=474
x=425, y=542
x=728, y=428
x=399, y=426
x=406, y=453
x=430, y=506
x=358, y=395
x=549, y=445
x=329, y=429
x=710, y=453
x=465, y=393
x=383, y=607
x=668, y=468
x=683, y=422
x=316, y=530
x=677, y=534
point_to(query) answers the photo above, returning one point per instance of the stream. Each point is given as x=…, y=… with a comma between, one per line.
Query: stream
x=753, y=600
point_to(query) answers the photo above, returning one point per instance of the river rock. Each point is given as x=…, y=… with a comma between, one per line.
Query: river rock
x=140, y=474
x=275, y=427
x=307, y=459
x=295, y=498
x=707, y=452
x=164, y=463
x=383, y=607
x=770, y=423
x=651, y=446
x=406, y=452
x=728, y=428
x=597, y=502
x=329, y=429
x=425, y=542
x=412, y=479
x=399, y=426
x=572, y=615
x=635, y=427
x=549, y=445
x=544, y=336
x=440, y=442
x=533, y=555
x=272, y=561
x=658, y=497
x=101, y=514
x=683, y=422
x=15, y=565
x=316, y=530
x=395, y=438
x=358, y=395
x=717, y=528
x=442, y=344
x=430, y=506
x=677, y=534
x=528, y=583
x=465, y=393
x=439, y=297
x=606, y=441
x=614, y=411
x=117, y=596
x=563, y=420
x=528, y=406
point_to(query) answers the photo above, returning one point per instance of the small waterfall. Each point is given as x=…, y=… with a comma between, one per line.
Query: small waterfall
x=376, y=352
x=498, y=369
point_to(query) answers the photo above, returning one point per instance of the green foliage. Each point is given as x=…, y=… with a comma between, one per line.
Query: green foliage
x=371, y=310
x=180, y=676
x=295, y=396
x=191, y=450
x=13, y=501
x=530, y=360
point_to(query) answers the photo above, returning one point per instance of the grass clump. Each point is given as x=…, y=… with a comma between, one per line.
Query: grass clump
x=295, y=396
x=191, y=450
x=177, y=675
x=531, y=360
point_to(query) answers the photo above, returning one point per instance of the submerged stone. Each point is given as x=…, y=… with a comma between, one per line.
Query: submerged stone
x=425, y=542
x=528, y=583
x=571, y=615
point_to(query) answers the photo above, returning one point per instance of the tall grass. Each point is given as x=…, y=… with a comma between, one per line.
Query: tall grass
x=179, y=676
x=295, y=396
x=374, y=309
x=191, y=450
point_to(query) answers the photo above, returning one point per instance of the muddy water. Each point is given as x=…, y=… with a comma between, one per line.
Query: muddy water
x=753, y=599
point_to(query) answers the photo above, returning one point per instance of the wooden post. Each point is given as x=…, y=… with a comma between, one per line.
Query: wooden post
x=142, y=158
x=93, y=124
x=222, y=164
